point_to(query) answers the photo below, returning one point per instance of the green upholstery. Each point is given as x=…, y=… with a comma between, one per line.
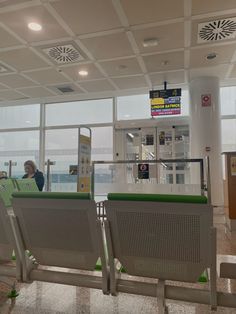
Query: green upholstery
x=6, y=189
x=168, y=198
x=52, y=195
x=26, y=185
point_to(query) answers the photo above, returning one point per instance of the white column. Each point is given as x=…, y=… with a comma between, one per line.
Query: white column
x=205, y=130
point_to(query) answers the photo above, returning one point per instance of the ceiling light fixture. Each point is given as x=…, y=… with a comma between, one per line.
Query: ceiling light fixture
x=35, y=27
x=83, y=73
x=211, y=56
x=150, y=42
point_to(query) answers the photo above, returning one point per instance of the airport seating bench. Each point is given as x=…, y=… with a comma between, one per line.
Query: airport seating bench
x=60, y=230
x=8, y=268
x=167, y=237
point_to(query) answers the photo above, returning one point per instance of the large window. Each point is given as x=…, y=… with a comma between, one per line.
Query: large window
x=18, y=147
x=80, y=112
x=228, y=100
x=228, y=135
x=19, y=116
x=138, y=106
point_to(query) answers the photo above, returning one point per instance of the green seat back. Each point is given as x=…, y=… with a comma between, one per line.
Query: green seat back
x=6, y=189
x=168, y=198
x=52, y=195
x=27, y=185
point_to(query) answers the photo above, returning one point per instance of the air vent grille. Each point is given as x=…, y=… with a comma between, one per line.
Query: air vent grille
x=65, y=89
x=217, y=30
x=63, y=54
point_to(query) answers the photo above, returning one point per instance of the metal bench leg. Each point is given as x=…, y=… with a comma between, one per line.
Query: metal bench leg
x=161, y=302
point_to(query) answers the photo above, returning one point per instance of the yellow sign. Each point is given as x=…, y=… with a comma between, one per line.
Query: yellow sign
x=84, y=164
x=157, y=101
x=233, y=166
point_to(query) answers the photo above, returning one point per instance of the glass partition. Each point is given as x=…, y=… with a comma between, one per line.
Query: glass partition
x=148, y=176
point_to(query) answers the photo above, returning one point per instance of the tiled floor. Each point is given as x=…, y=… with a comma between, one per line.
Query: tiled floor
x=45, y=298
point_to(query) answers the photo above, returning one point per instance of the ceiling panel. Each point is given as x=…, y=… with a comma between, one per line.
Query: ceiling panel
x=18, y=21
x=22, y=59
x=121, y=67
x=130, y=82
x=5, y=3
x=219, y=71
x=73, y=72
x=169, y=36
x=233, y=72
x=87, y=16
x=203, y=6
x=109, y=46
x=36, y=92
x=49, y=76
x=164, y=62
x=2, y=86
x=224, y=55
x=97, y=86
x=177, y=77
x=143, y=11
x=15, y=81
x=11, y=95
x=7, y=40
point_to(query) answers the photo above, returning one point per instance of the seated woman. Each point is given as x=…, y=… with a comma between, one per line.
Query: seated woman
x=31, y=171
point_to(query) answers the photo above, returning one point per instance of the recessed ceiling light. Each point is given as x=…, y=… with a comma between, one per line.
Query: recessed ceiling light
x=83, y=73
x=35, y=27
x=211, y=56
x=150, y=42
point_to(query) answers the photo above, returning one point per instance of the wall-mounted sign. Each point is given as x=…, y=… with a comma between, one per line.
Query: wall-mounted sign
x=206, y=100
x=165, y=102
x=233, y=166
x=143, y=171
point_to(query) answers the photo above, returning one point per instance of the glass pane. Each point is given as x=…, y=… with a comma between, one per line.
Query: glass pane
x=228, y=100
x=79, y=112
x=18, y=147
x=228, y=135
x=19, y=116
x=133, y=107
x=61, y=147
x=138, y=106
x=102, y=143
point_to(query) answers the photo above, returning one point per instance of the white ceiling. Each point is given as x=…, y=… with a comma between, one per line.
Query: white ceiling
x=109, y=35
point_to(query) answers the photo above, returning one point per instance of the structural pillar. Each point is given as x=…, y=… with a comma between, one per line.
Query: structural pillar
x=205, y=130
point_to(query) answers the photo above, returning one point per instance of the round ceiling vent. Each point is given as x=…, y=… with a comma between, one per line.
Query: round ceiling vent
x=217, y=30
x=64, y=54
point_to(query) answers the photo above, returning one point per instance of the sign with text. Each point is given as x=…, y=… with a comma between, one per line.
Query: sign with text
x=143, y=171
x=206, y=100
x=165, y=102
x=84, y=163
